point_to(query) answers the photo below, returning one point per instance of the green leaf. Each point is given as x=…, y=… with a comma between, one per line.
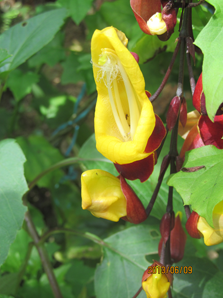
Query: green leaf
x=4, y=55
x=201, y=189
x=77, y=9
x=210, y=40
x=213, y=288
x=186, y=285
x=40, y=156
x=120, y=273
x=149, y=46
x=26, y=38
x=71, y=74
x=79, y=276
x=21, y=83
x=12, y=188
x=9, y=283
x=119, y=14
x=51, y=54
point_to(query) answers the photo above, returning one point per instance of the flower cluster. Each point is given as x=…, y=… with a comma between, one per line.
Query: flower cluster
x=201, y=131
x=127, y=131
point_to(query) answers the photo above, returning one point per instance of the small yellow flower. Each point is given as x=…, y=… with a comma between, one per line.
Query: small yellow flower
x=124, y=116
x=211, y=235
x=156, y=285
x=156, y=24
x=102, y=195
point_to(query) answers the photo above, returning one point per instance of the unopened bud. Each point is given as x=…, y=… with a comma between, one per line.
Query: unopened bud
x=183, y=112
x=191, y=225
x=166, y=225
x=177, y=240
x=135, y=56
x=173, y=112
x=199, y=97
x=156, y=24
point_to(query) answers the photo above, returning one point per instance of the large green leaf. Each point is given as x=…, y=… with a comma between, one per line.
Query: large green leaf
x=21, y=83
x=210, y=40
x=40, y=155
x=120, y=273
x=201, y=189
x=77, y=9
x=12, y=188
x=214, y=288
x=186, y=285
x=26, y=38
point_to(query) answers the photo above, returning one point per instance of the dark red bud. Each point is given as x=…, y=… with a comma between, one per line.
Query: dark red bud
x=135, y=56
x=136, y=212
x=173, y=112
x=183, y=112
x=169, y=17
x=166, y=225
x=199, y=97
x=191, y=225
x=177, y=241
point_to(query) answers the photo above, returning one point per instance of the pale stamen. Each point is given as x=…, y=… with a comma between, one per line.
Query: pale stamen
x=112, y=70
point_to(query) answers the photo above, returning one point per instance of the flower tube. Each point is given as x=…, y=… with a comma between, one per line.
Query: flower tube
x=124, y=116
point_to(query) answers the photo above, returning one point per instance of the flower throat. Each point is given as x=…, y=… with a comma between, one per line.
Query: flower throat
x=111, y=72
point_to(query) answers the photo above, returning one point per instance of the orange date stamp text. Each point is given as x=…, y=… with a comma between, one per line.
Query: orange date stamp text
x=170, y=269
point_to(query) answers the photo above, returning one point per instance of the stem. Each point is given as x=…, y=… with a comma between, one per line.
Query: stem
x=157, y=93
x=43, y=256
x=187, y=211
x=191, y=75
x=66, y=162
x=156, y=191
x=138, y=292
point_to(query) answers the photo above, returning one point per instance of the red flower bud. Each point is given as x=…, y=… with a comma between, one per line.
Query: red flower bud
x=135, y=56
x=136, y=212
x=166, y=225
x=177, y=241
x=183, y=112
x=199, y=97
x=191, y=225
x=173, y=112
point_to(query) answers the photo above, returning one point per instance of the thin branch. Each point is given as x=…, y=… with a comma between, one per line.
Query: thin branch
x=138, y=292
x=43, y=256
x=187, y=211
x=166, y=77
x=190, y=5
x=191, y=74
x=156, y=191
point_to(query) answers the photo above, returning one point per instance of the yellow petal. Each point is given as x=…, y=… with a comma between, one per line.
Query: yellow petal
x=209, y=234
x=102, y=195
x=192, y=120
x=156, y=24
x=156, y=285
x=218, y=218
x=109, y=140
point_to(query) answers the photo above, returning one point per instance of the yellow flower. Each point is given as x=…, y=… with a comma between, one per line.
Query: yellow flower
x=111, y=198
x=124, y=116
x=211, y=235
x=156, y=285
x=102, y=195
